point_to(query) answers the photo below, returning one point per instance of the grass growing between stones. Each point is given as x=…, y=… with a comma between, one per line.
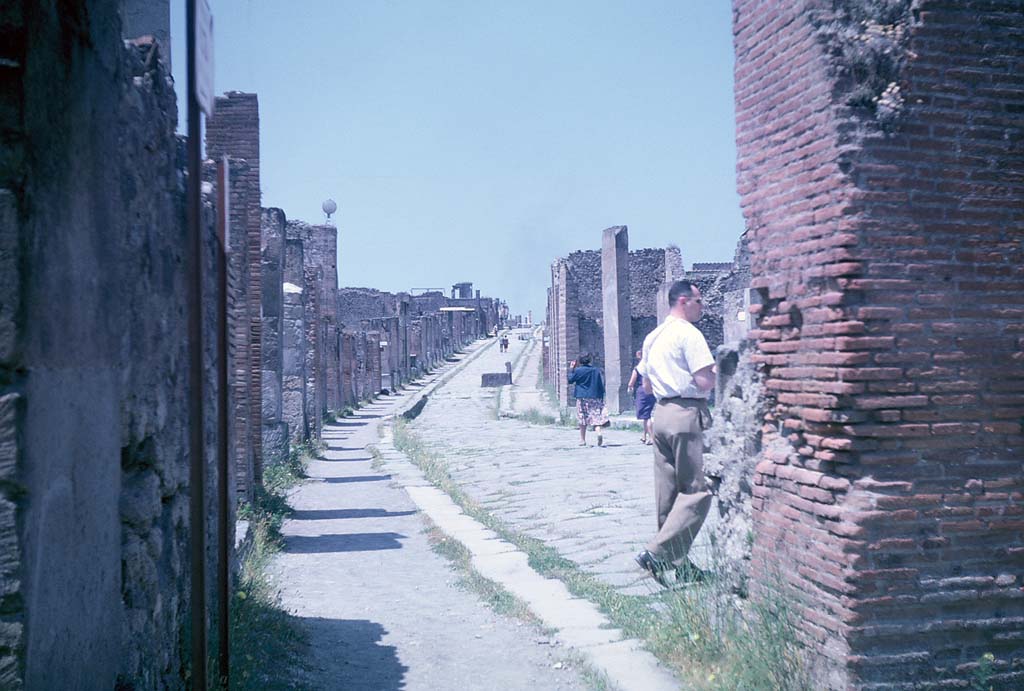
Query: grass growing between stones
x=494, y=595
x=700, y=631
x=267, y=643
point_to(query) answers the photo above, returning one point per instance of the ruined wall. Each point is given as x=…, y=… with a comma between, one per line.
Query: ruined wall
x=234, y=131
x=274, y=429
x=293, y=379
x=93, y=473
x=880, y=172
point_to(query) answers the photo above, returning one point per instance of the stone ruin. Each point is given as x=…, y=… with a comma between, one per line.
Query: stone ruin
x=868, y=438
x=592, y=289
x=94, y=495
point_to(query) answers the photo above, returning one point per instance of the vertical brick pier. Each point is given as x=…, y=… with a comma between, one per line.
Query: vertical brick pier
x=885, y=222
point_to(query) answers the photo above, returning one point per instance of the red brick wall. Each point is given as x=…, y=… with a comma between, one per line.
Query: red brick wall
x=234, y=130
x=889, y=267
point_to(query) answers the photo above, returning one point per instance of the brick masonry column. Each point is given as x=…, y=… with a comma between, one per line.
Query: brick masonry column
x=234, y=130
x=618, y=326
x=886, y=256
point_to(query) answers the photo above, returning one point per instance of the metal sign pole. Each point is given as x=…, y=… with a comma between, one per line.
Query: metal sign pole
x=197, y=512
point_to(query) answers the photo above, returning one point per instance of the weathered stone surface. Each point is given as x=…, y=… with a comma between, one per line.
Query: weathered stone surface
x=617, y=324
x=495, y=379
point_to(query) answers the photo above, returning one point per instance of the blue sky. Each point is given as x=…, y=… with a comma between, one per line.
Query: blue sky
x=478, y=141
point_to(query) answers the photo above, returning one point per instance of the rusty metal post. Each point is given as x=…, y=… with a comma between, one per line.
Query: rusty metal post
x=197, y=513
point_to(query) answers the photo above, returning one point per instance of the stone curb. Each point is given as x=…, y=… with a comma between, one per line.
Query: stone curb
x=578, y=623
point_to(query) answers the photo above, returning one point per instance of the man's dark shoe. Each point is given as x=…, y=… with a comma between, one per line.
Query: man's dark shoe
x=688, y=572
x=655, y=568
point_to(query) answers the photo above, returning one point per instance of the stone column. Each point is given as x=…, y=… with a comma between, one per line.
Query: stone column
x=618, y=331
x=673, y=272
x=569, y=333
x=274, y=430
x=293, y=374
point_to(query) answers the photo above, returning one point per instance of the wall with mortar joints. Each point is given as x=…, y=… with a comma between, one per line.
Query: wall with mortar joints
x=244, y=417
x=294, y=345
x=234, y=131
x=93, y=478
x=315, y=407
x=274, y=429
x=887, y=258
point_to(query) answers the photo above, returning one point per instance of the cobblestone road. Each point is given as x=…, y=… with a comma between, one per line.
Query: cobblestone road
x=595, y=505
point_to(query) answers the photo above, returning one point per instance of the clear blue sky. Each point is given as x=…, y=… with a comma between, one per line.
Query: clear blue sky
x=479, y=140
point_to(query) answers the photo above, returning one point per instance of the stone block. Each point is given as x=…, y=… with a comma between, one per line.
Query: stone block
x=495, y=379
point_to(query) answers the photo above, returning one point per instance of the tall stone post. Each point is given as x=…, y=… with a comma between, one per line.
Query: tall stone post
x=673, y=273
x=275, y=431
x=618, y=330
x=568, y=327
x=293, y=379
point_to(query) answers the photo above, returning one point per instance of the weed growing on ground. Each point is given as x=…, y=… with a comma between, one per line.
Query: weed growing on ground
x=536, y=417
x=713, y=639
x=494, y=596
x=261, y=630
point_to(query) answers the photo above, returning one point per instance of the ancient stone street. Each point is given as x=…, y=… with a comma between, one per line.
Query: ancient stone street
x=595, y=505
x=383, y=611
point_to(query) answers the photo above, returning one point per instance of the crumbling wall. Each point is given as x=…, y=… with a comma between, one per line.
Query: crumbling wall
x=293, y=380
x=233, y=131
x=882, y=208
x=93, y=474
x=275, y=430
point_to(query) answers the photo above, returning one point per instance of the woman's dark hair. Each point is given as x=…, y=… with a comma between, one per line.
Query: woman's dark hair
x=583, y=359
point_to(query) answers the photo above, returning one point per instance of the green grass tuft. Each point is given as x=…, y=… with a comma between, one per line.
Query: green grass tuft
x=711, y=637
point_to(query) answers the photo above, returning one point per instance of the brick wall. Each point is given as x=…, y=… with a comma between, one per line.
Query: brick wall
x=234, y=131
x=885, y=241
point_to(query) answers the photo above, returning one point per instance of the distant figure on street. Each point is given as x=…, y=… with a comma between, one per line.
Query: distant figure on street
x=504, y=343
x=589, y=393
x=644, y=402
x=678, y=369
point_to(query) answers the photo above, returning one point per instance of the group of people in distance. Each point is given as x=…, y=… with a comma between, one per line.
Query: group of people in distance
x=671, y=382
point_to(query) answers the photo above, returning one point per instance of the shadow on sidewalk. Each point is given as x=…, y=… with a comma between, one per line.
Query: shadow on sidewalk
x=351, y=655
x=342, y=542
x=330, y=514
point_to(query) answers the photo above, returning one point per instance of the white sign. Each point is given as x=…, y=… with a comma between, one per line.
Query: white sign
x=204, y=57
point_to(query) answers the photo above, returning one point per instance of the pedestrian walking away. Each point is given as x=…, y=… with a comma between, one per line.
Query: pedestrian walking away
x=589, y=393
x=644, y=402
x=679, y=371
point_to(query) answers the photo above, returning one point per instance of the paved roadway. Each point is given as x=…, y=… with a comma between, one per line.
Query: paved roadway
x=383, y=611
x=595, y=505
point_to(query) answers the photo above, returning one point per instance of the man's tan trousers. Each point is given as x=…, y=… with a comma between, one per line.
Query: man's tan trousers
x=680, y=490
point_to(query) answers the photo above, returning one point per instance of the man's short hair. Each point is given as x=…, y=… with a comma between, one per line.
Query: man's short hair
x=584, y=359
x=679, y=289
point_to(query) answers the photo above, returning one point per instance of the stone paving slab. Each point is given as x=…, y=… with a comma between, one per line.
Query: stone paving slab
x=382, y=610
x=577, y=623
x=595, y=505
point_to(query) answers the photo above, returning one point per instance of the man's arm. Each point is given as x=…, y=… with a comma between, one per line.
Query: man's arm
x=704, y=378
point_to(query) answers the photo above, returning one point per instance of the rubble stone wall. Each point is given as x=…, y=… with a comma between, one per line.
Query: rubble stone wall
x=93, y=411
x=275, y=430
x=883, y=213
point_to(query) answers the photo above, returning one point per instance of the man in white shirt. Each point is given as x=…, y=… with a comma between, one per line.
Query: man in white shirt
x=678, y=368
